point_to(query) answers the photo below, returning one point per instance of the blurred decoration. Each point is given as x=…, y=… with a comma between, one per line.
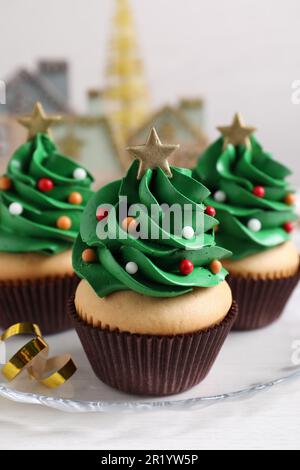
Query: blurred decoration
x=90, y=140
x=126, y=93
x=116, y=117
x=11, y=136
x=182, y=124
x=49, y=84
x=70, y=144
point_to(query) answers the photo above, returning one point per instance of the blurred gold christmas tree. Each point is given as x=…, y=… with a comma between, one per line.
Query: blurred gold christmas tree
x=126, y=93
x=116, y=116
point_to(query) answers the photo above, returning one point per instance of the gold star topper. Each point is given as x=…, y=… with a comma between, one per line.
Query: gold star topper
x=237, y=133
x=153, y=154
x=38, y=121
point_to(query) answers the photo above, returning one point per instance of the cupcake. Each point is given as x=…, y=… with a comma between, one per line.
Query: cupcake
x=42, y=196
x=256, y=210
x=153, y=308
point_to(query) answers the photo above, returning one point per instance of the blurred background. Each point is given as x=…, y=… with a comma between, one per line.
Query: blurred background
x=113, y=68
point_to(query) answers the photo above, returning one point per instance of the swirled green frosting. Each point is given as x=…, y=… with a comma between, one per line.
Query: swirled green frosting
x=158, y=259
x=35, y=230
x=237, y=171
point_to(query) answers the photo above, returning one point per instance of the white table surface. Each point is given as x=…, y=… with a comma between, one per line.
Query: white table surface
x=267, y=420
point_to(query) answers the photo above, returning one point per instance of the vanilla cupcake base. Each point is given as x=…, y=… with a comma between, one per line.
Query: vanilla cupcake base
x=29, y=266
x=152, y=364
x=275, y=263
x=36, y=288
x=130, y=312
x=262, y=285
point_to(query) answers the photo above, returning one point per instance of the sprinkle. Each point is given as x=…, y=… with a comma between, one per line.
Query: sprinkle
x=290, y=199
x=75, y=198
x=5, y=183
x=79, y=174
x=101, y=214
x=15, y=208
x=64, y=223
x=129, y=224
x=259, y=191
x=210, y=210
x=289, y=227
x=220, y=196
x=188, y=232
x=186, y=267
x=131, y=267
x=215, y=266
x=255, y=225
x=89, y=256
x=45, y=185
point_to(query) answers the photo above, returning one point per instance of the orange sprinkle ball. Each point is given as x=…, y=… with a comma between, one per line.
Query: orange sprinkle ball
x=64, y=223
x=5, y=183
x=75, y=198
x=215, y=266
x=129, y=224
x=290, y=199
x=89, y=256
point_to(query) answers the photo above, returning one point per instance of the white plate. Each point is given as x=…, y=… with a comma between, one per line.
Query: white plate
x=248, y=363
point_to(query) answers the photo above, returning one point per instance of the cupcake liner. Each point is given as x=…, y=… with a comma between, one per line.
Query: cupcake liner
x=151, y=364
x=42, y=301
x=261, y=302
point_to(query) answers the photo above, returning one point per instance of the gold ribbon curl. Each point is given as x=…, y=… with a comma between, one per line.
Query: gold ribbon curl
x=33, y=357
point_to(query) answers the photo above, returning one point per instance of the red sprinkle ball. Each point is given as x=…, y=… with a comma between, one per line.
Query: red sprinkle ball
x=289, y=227
x=101, y=214
x=45, y=185
x=259, y=191
x=210, y=210
x=186, y=267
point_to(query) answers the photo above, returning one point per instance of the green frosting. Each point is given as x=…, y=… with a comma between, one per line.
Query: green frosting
x=237, y=171
x=158, y=260
x=34, y=230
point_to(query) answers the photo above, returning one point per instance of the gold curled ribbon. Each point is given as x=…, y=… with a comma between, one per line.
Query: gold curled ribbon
x=33, y=357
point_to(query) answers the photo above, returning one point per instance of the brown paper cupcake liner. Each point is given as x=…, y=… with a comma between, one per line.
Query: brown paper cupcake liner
x=42, y=301
x=261, y=302
x=150, y=364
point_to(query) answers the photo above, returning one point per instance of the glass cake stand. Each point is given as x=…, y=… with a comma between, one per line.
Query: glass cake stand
x=248, y=363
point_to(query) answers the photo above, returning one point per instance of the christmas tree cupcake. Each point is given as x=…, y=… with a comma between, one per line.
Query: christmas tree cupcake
x=256, y=210
x=42, y=196
x=153, y=307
